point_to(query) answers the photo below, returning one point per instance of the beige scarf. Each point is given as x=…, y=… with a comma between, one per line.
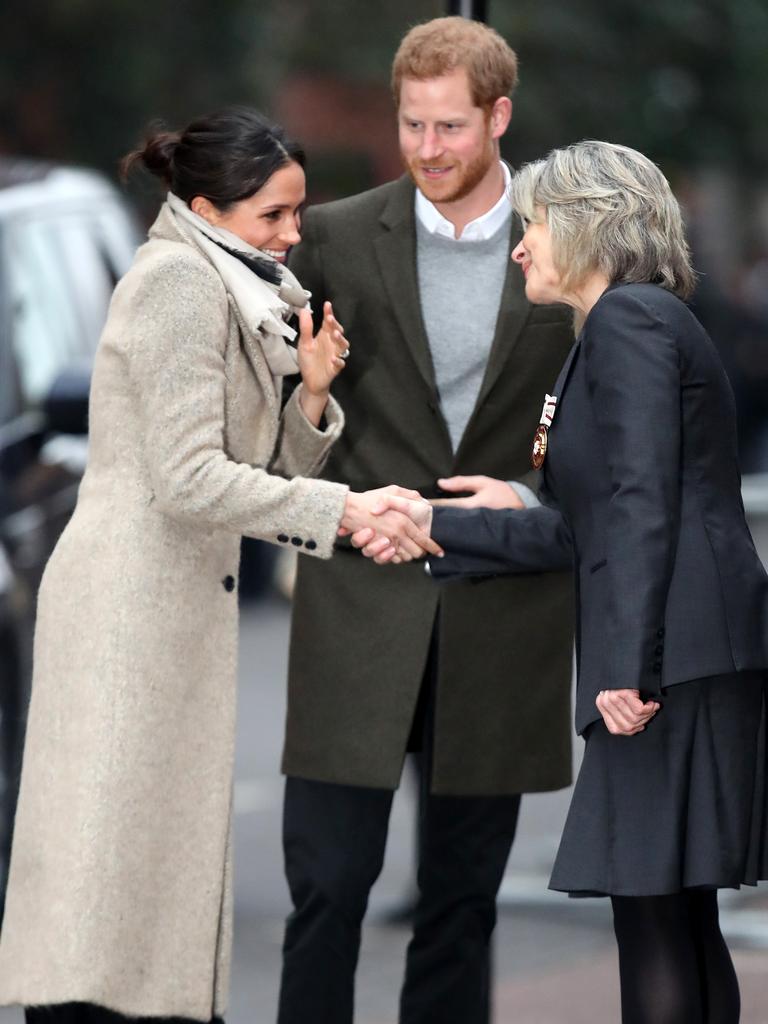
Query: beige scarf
x=263, y=307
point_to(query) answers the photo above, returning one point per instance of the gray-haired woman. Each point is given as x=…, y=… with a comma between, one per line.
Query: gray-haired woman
x=641, y=494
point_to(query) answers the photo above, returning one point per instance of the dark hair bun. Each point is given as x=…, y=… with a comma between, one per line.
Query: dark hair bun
x=224, y=157
x=156, y=155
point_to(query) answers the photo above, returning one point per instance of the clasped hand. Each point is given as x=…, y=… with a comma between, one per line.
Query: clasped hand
x=395, y=518
x=624, y=712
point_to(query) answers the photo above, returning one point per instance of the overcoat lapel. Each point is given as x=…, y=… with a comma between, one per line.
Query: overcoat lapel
x=165, y=227
x=256, y=358
x=396, y=254
x=513, y=313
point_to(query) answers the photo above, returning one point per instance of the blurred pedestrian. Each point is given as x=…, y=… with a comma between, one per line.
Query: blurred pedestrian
x=638, y=446
x=444, y=390
x=119, y=899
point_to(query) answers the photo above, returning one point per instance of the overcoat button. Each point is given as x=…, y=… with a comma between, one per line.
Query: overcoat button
x=296, y=541
x=229, y=583
x=660, y=633
x=311, y=545
x=659, y=649
x=656, y=667
x=283, y=538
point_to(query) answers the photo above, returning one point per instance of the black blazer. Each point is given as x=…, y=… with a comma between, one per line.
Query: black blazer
x=643, y=493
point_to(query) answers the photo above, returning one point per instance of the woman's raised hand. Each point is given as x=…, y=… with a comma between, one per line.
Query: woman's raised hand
x=322, y=356
x=402, y=533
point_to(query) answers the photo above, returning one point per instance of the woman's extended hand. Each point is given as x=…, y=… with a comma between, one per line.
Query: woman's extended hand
x=402, y=532
x=375, y=540
x=321, y=359
x=624, y=713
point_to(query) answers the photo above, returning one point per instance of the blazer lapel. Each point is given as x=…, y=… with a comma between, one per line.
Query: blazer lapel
x=562, y=380
x=396, y=253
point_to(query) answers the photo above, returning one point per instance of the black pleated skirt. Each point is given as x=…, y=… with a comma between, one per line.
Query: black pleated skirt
x=682, y=805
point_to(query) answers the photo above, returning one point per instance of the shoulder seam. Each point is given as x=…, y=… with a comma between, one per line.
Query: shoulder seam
x=652, y=313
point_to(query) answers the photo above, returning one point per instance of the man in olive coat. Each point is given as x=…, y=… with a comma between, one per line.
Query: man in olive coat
x=448, y=373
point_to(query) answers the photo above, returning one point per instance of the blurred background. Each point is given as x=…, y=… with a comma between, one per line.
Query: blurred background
x=686, y=83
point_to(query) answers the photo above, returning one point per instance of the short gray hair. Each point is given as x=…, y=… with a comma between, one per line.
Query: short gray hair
x=610, y=209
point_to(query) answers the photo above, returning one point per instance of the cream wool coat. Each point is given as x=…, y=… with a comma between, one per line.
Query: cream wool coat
x=119, y=889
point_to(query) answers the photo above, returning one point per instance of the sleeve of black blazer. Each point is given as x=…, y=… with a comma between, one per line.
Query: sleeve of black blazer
x=493, y=542
x=633, y=377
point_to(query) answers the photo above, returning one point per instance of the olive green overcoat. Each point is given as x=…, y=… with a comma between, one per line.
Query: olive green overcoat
x=361, y=633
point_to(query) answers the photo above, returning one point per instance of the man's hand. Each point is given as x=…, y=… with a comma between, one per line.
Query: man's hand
x=624, y=713
x=486, y=493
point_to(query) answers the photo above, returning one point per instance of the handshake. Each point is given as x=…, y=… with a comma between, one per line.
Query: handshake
x=390, y=524
x=393, y=524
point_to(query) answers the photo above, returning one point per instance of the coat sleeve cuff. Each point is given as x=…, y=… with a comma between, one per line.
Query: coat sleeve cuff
x=525, y=494
x=303, y=448
x=311, y=519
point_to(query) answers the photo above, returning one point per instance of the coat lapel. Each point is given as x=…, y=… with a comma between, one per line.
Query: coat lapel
x=252, y=349
x=562, y=380
x=513, y=313
x=166, y=227
x=396, y=253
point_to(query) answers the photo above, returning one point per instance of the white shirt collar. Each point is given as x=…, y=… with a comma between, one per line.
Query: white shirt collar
x=477, y=230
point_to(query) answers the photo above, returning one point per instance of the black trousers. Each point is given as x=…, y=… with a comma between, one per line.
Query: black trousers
x=87, y=1013
x=334, y=838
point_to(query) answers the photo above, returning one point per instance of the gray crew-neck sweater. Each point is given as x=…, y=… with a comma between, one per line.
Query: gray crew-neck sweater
x=460, y=285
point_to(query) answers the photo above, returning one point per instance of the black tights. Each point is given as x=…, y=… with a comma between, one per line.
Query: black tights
x=674, y=965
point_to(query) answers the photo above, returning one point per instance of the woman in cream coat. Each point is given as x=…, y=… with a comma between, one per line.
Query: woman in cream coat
x=119, y=891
